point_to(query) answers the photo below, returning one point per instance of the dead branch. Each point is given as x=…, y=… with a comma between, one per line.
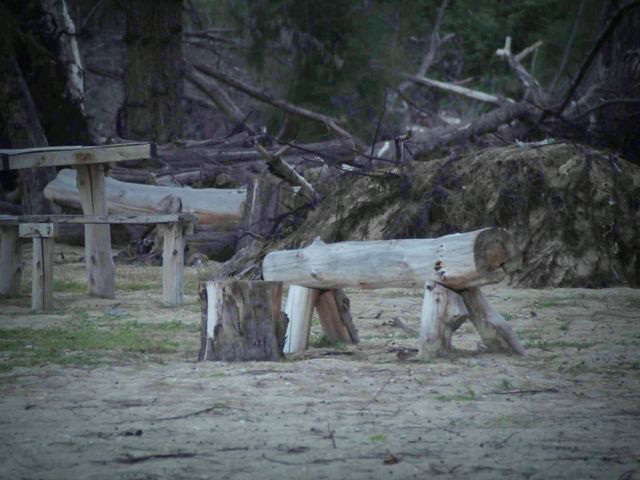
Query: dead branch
x=434, y=139
x=567, y=48
x=451, y=87
x=330, y=122
x=434, y=42
x=287, y=172
x=604, y=36
x=220, y=98
x=531, y=84
x=529, y=50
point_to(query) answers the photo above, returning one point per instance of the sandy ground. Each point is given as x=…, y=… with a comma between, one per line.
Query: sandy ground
x=569, y=409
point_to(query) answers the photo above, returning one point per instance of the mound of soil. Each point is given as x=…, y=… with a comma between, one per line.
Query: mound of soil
x=573, y=210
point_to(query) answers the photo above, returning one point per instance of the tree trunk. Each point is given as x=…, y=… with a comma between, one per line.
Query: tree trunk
x=456, y=261
x=19, y=120
x=154, y=70
x=242, y=321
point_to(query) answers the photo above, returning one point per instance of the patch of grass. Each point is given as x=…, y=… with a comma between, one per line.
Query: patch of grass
x=551, y=344
x=551, y=302
x=81, y=341
x=321, y=341
x=530, y=335
x=138, y=286
x=468, y=396
x=505, y=384
x=511, y=421
x=70, y=286
x=633, y=302
x=377, y=438
x=507, y=316
x=577, y=368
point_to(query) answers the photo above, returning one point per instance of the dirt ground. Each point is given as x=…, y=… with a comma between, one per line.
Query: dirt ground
x=103, y=389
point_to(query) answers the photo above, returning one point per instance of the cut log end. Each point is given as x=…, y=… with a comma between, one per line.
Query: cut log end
x=496, y=252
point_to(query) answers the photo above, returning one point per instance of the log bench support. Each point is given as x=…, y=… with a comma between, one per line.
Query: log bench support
x=451, y=268
x=333, y=309
x=10, y=261
x=43, y=235
x=173, y=262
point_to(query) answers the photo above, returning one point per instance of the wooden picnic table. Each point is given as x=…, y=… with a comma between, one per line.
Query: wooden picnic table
x=89, y=162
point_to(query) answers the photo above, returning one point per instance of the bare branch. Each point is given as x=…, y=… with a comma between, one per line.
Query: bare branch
x=220, y=98
x=287, y=172
x=529, y=81
x=330, y=122
x=604, y=36
x=529, y=50
x=567, y=48
x=451, y=87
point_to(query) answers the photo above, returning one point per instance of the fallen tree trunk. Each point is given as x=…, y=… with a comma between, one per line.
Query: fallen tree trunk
x=210, y=206
x=456, y=261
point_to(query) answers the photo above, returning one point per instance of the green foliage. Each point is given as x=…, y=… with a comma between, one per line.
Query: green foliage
x=339, y=56
x=321, y=341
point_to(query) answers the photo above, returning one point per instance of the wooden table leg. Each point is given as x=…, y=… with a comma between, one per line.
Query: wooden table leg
x=10, y=261
x=173, y=264
x=97, y=238
x=42, y=274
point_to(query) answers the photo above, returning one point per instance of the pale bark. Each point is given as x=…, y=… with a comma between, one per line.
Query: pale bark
x=299, y=310
x=456, y=261
x=210, y=206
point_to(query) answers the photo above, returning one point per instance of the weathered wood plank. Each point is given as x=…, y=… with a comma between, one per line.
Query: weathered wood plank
x=15, y=159
x=10, y=261
x=42, y=275
x=37, y=230
x=97, y=238
x=99, y=219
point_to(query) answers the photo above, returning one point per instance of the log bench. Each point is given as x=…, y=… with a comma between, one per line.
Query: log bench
x=451, y=269
x=42, y=229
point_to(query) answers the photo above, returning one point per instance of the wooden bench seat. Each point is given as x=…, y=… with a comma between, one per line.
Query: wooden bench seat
x=42, y=229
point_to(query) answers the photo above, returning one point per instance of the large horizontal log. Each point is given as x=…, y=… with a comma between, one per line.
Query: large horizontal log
x=456, y=261
x=209, y=205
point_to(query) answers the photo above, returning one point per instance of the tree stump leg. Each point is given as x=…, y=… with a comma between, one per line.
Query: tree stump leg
x=333, y=308
x=97, y=238
x=42, y=275
x=241, y=321
x=443, y=311
x=299, y=310
x=496, y=333
x=173, y=264
x=10, y=261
